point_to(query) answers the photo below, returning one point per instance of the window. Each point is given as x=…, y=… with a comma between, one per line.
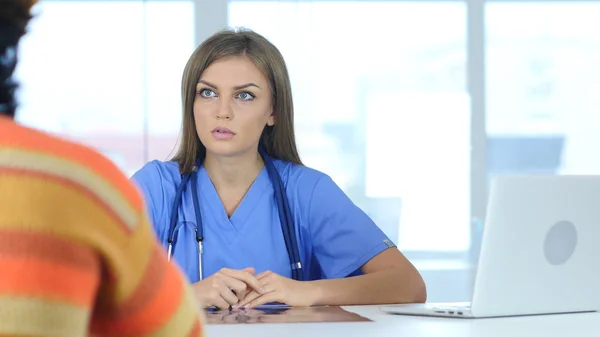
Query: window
x=543, y=92
x=107, y=74
x=381, y=106
x=380, y=90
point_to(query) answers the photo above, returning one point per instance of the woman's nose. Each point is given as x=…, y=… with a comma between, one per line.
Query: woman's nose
x=225, y=110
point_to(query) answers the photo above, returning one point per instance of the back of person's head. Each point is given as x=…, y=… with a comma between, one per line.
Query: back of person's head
x=278, y=140
x=14, y=17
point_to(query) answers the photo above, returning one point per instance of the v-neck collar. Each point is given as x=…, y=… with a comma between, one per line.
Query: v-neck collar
x=209, y=194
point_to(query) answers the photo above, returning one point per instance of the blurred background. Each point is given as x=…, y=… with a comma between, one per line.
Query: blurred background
x=410, y=106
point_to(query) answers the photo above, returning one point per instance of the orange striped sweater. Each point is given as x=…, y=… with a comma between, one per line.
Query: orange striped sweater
x=77, y=255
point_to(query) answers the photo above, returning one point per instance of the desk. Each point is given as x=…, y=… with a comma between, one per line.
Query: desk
x=565, y=325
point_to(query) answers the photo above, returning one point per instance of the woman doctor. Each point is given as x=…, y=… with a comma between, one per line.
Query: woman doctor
x=238, y=153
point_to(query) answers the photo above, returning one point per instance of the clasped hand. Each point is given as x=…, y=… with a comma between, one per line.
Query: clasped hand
x=241, y=288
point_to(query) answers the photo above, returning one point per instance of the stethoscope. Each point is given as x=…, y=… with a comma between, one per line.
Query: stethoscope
x=283, y=207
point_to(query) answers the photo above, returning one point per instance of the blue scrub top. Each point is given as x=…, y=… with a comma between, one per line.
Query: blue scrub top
x=335, y=237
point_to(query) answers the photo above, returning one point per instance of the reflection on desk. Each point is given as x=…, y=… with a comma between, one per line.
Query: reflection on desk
x=283, y=314
x=564, y=325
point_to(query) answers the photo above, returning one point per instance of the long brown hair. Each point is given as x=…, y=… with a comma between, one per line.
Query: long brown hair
x=278, y=140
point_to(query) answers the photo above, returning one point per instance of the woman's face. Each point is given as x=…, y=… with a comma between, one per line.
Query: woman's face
x=232, y=107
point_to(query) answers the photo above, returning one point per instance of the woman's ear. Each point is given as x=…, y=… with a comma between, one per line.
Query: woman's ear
x=271, y=120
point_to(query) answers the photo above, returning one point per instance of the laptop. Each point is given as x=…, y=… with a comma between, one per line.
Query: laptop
x=540, y=251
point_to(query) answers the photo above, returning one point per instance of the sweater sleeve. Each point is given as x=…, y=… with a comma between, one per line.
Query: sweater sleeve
x=143, y=294
x=50, y=285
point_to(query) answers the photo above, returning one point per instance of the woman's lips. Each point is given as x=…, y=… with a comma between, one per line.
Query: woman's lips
x=222, y=133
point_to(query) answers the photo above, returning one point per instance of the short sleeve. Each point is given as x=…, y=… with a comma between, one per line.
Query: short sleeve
x=149, y=180
x=344, y=238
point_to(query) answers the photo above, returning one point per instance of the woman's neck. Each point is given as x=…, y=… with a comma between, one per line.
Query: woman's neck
x=232, y=173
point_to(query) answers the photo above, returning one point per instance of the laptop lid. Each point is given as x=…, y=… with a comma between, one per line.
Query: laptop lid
x=540, y=248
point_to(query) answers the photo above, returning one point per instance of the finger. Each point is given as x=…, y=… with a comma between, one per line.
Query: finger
x=247, y=299
x=234, y=284
x=242, y=294
x=273, y=296
x=246, y=277
x=264, y=274
x=237, y=287
x=220, y=303
x=252, y=294
x=229, y=271
x=228, y=296
x=249, y=270
x=269, y=288
x=222, y=296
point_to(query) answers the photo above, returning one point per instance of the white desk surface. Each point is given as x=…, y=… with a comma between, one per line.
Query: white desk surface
x=571, y=325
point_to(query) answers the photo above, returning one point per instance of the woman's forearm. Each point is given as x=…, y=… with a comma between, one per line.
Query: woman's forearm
x=381, y=287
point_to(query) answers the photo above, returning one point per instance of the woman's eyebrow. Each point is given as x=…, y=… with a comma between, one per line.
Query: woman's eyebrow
x=243, y=86
x=237, y=87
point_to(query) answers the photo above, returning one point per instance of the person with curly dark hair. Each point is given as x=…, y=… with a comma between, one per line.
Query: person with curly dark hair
x=77, y=254
x=13, y=22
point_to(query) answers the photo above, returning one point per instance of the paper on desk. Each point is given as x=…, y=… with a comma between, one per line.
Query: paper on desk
x=283, y=314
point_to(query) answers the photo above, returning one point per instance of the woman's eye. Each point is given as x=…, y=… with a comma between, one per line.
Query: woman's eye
x=206, y=93
x=245, y=96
